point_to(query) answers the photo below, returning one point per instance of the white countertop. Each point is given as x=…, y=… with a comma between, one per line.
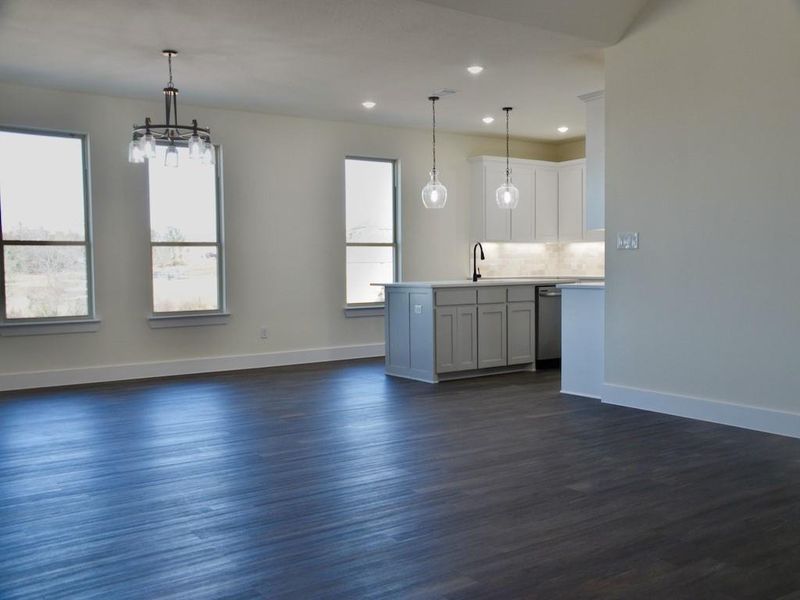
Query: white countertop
x=583, y=285
x=490, y=282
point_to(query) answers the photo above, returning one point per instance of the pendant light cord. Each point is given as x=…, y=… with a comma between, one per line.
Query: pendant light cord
x=433, y=100
x=169, y=62
x=508, y=168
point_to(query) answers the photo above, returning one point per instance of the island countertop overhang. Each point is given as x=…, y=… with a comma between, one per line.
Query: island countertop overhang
x=491, y=282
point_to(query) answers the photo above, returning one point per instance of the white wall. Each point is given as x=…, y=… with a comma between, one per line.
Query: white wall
x=702, y=160
x=283, y=181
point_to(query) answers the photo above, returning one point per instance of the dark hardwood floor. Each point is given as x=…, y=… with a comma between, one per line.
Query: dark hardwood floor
x=334, y=481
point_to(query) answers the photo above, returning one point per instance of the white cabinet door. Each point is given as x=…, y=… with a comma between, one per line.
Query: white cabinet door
x=546, y=204
x=570, y=203
x=521, y=332
x=491, y=335
x=497, y=221
x=456, y=338
x=523, y=218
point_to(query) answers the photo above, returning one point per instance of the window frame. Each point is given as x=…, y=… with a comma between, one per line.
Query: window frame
x=179, y=318
x=375, y=308
x=88, y=243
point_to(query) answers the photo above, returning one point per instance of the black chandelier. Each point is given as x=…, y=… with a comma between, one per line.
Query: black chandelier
x=147, y=136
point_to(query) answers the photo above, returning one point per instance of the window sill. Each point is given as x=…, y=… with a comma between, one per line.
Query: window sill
x=166, y=321
x=49, y=327
x=363, y=310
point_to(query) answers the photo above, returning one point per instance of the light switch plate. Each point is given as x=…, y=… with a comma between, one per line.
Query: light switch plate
x=418, y=309
x=628, y=240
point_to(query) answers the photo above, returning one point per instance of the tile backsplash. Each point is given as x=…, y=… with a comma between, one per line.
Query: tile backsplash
x=535, y=260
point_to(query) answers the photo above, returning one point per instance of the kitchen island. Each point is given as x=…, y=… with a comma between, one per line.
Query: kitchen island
x=440, y=330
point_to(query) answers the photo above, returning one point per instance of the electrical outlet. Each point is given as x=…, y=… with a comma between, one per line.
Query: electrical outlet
x=264, y=333
x=418, y=309
x=628, y=240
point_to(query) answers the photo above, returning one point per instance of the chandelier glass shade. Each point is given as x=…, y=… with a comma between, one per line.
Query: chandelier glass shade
x=145, y=137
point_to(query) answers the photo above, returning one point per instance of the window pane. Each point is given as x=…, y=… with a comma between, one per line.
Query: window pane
x=369, y=193
x=41, y=187
x=46, y=281
x=183, y=205
x=185, y=278
x=366, y=265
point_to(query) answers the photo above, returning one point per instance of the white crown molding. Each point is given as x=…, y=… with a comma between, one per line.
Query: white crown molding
x=211, y=364
x=703, y=409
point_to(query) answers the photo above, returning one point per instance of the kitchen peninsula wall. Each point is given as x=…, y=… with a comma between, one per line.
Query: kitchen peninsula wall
x=585, y=259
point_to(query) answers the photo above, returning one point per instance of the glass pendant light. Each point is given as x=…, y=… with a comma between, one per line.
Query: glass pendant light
x=196, y=147
x=507, y=195
x=434, y=194
x=148, y=145
x=171, y=156
x=135, y=154
x=209, y=156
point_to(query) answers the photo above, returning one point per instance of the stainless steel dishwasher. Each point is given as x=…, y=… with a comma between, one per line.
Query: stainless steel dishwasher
x=548, y=323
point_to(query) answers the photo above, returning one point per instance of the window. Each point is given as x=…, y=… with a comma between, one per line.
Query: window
x=186, y=235
x=45, y=233
x=371, y=227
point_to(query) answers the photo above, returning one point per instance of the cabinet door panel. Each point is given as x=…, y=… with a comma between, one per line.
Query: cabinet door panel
x=456, y=338
x=570, y=204
x=497, y=221
x=467, y=338
x=521, y=333
x=491, y=335
x=446, y=339
x=546, y=204
x=523, y=217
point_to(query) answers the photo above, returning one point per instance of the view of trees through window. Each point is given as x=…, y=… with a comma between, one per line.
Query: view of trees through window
x=183, y=233
x=45, y=242
x=370, y=227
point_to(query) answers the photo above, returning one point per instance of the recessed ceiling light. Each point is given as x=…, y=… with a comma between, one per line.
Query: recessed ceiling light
x=368, y=104
x=563, y=129
x=475, y=69
x=488, y=120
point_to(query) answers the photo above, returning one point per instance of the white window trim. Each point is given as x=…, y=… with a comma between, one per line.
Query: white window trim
x=358, y=310
x=55, y=325
x=364, y=310
x=49, y=327
x=163, y=320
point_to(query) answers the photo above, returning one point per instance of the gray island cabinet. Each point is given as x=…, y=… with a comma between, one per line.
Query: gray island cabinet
x=448, y=330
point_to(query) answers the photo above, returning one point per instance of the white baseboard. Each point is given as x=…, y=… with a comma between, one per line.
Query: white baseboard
x=703, y=409
x=211, y=364
x=582, y=395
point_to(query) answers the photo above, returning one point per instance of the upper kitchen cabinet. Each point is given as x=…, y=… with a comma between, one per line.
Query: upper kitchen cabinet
x=552, y=202
x=546, y=204
x=570, y=202
x=490, y=223
x=595, y=161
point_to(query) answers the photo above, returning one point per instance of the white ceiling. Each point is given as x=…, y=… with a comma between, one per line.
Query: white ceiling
x=603, y=21
x=322, y=58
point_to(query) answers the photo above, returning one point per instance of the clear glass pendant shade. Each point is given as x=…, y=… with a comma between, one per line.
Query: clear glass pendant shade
x=196, y=147
x=507, y=195
x=171, y=156
x=135, y=154
x=209, y=154
x=148, y=145
x=434, y=194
